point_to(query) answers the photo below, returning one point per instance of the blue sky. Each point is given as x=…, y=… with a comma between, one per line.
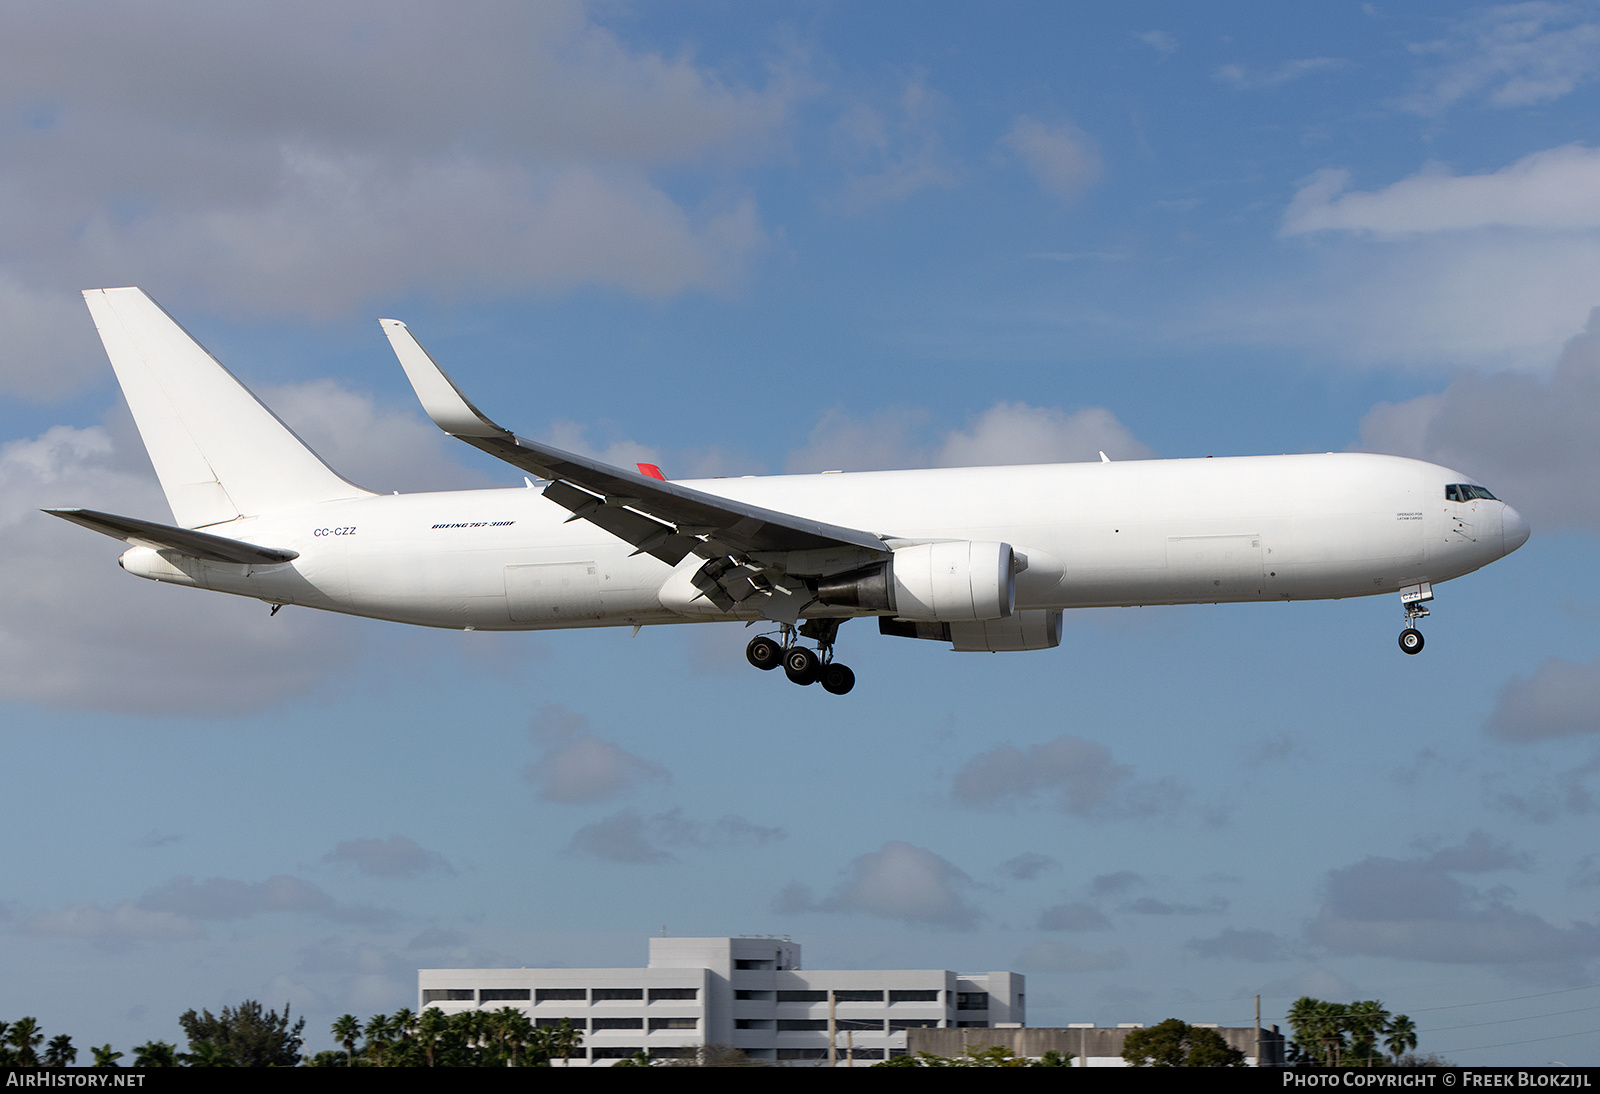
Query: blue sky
x=745, y=238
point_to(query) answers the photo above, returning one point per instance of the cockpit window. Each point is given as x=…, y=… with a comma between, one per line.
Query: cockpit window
x=1460, y=491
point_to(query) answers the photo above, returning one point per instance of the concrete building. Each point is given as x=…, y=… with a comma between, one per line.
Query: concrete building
x=1088, y=1045
x=751, y=993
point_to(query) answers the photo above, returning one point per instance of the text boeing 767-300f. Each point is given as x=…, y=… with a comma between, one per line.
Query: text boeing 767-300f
x=985, y=558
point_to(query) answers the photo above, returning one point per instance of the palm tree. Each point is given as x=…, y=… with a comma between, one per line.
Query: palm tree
x=105, y=1057
x=377, y=1033
x=346, y=1028
x=1318, y=1029
x=59, y=1052
x=1402, y=1037
x=431, y=1027
x=512, y=1029
x=1366, y=1020
x=25, y=1037
x=155, y=1054
x=564, y=1040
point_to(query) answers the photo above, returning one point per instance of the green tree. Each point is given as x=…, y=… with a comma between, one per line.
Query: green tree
x=155, y=1054
x=377, y=1034
x=711, y=1056
x=1402, y=1037
x=432, y=1028
x=1318, y=1029
x=1175, y=1043
x=204, y=1053
x=993, y=1056
x=105, y=1057
x=59, y=1052
x=248, y=1034
x=1366, y=1020
x=25, y=1037
x=1348, y=1035
x=563, y=1041
x=346, y=1030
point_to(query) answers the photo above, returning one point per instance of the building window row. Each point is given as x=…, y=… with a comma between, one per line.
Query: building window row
x=596, y=1025
x=558, y=995
x=853, y=995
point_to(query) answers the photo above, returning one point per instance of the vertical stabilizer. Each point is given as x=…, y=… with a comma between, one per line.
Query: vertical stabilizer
x=220, y=454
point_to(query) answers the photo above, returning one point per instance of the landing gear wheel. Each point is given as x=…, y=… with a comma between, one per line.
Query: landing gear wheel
x=801, y=665
x=1411, y=640
x=763, y=653
x=837, y=678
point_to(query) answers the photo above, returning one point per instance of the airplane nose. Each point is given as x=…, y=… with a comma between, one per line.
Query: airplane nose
x=1513, y=530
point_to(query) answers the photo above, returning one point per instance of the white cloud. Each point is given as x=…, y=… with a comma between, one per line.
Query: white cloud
x=221, y=898
x=1289, y=71
x=50, y=348
x=899, y=881
x=1417, y=909
x=893, y=153
x=579, y=767
x=1518, y=54
x=1028, y=866
x=1006, y=433
x=1487, y=271
x=1059, y=957
x=1073, y=916
x=1242, y=945
x=1560, y=699
x=620, y=837
x=395, y=857
x=1555, y=190
x=1076, y=774
x=380, y=448
x=498, y=148
x=1062, y=158
x=1534, y=441
x=626, y=836
x=1015, y=433
x=77, y=631
x=114, y=928
x=1159, y=40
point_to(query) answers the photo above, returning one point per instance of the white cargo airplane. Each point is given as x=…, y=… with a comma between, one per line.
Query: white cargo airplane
x=985, y=558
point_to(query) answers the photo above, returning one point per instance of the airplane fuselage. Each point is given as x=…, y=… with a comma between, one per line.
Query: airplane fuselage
x=1301, y=527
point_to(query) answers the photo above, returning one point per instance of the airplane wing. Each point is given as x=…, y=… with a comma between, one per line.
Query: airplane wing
x=659, y=518
x=144, y=533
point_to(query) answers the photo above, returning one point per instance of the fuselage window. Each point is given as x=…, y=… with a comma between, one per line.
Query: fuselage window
x=1460, y=491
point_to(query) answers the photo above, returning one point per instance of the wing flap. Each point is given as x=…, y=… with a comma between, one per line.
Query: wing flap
x=204, y=545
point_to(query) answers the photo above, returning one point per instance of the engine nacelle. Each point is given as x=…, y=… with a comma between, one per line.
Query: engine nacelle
x=957, y=581
x=1026, y=630
x=1031, y=629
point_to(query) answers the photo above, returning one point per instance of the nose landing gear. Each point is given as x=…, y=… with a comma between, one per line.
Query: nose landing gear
x=800, y=664
x=1414, y=598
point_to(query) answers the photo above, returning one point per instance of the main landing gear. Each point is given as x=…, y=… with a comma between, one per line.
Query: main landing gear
x=1414, y=598
x=800, y=664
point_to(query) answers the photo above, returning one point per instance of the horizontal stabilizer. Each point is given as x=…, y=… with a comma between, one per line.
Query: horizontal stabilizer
x=144, y=533
x=666, y=520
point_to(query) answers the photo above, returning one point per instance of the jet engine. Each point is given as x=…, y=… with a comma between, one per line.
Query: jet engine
x=948, y=582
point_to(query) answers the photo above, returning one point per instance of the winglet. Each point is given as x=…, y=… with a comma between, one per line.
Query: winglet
x=650, y=471
x=445, y=403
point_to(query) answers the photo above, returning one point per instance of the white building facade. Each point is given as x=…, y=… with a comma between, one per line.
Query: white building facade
x=751, y=993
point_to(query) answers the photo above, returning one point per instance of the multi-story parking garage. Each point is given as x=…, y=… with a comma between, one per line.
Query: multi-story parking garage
x=751, y=993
